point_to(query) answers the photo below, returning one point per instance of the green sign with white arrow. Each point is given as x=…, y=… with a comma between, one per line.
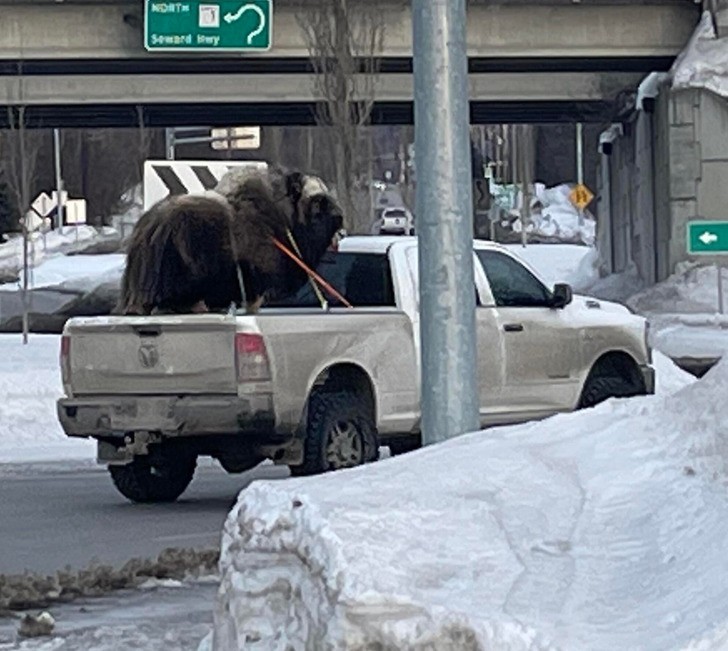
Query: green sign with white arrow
x=708, y=238
x=208, y=25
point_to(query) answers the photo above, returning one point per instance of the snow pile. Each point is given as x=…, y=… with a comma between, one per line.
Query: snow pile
x=553, y=217
x=42, y=245
x=615, y=287
x=693, y=289
x=77, y=273
x=670, y=378
x=704, y=62
x=603, y=529
x=560, y=218
x=30, y=384
x=682, y=310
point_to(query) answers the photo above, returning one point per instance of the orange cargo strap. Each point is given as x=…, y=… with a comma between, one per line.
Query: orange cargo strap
x=311, y=273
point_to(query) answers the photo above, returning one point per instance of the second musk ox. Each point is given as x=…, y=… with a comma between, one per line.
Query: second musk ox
x=185, y=252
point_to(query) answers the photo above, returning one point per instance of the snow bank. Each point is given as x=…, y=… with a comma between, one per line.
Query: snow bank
x=616, y=287
x=693, y=289
x=44, y=245
x=704, y=62
x=30, y=384
x=603, y=529
x=77, y=273
x=553, y=217
x=682, y=310
x=670, y=378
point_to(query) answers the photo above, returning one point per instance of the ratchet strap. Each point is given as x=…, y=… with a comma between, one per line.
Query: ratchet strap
x=312, y=275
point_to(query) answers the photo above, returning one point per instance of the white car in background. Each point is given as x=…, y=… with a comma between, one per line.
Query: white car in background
x=396, y=221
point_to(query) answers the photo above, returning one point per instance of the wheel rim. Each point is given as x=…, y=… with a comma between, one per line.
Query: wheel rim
x=344, y=448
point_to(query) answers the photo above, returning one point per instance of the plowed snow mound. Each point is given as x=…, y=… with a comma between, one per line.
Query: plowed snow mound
x=604, y=529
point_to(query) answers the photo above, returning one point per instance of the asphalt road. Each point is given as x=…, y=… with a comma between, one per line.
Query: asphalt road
x=53, y=516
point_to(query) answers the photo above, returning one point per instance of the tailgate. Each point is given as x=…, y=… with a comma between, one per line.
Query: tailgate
x=187, y=354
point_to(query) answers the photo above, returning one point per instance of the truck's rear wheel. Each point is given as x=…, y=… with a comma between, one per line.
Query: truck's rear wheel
x=146, y=480
x=341, y=434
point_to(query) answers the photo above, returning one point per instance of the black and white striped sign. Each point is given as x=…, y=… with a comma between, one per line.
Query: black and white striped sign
x=164, y=178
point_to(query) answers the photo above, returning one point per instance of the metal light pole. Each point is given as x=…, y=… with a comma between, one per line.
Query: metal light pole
x=59, y=177
x=450, y=404
x=580, y=162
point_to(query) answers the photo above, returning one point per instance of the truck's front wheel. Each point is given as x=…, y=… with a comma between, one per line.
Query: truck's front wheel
x=341, y=434
x=146, y=481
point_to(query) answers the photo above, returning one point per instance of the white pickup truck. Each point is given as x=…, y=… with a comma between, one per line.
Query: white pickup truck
x=321, y=390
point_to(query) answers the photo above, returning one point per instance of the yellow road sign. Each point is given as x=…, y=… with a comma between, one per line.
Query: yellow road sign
x=581, y=196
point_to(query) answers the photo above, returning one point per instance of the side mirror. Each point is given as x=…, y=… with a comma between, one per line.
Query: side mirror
x=561, y=296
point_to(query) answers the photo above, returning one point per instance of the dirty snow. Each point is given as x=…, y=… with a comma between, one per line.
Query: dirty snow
x=603, y=529
x=174, y=618
x=552, y=214
x=704, y=62
x=30, y=384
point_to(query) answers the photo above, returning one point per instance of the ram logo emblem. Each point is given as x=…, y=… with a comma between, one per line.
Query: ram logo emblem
x=148, y=356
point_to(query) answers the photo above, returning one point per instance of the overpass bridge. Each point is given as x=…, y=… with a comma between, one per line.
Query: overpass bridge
x=82, y=63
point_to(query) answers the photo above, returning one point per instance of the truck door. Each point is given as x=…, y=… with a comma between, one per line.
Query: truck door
x=489, y=344
x=540, y=347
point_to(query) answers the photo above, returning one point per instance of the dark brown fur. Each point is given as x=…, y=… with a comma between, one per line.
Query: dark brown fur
x=184, y=250
x=270, y=204
x=180, y=253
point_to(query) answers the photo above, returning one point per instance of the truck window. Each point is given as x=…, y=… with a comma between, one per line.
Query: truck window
x=511, y=283
x=364, y=279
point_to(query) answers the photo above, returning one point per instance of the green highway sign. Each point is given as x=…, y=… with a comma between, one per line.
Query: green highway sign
x=208, y=25
x=708, y=238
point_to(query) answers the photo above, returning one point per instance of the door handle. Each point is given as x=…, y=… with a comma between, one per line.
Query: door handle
x=513, y=327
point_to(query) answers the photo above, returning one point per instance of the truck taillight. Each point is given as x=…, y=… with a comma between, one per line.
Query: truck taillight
x=251, y=358
x=65, y=359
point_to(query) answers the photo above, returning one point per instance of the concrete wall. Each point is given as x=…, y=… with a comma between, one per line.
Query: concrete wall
x=669, y=167
x=698, y=163
x=101, y=29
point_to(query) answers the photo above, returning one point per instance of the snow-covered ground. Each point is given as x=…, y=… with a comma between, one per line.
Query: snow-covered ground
x=73, y=272
x=30, y=384
x=603, y=529
x=45, y=245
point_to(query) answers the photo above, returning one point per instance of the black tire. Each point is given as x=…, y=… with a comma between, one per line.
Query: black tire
x=345, y=416
x=404, y=445
x=602, y=387
x=146, y=482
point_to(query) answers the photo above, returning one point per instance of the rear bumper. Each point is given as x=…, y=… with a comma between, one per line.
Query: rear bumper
x=648, y=375
x=171, y=416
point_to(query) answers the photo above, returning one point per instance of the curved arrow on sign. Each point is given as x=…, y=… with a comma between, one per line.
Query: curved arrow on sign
x=232, y=17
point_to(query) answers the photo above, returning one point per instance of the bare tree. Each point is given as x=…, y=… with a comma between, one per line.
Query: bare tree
x=20, y=149
x=344, y=39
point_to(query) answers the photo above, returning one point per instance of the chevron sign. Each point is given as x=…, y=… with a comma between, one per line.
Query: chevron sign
x=164, y=178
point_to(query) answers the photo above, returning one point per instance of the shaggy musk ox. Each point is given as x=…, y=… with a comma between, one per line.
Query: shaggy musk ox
x=185, y=251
